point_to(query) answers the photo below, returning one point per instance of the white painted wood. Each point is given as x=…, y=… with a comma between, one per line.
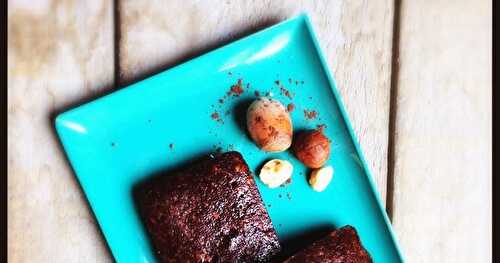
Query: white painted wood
x=356, y=37
x=442, y=198
x=58, y=53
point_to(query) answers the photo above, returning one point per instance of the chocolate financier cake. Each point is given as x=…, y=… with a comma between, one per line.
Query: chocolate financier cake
x=211, y=211
x=340, y=246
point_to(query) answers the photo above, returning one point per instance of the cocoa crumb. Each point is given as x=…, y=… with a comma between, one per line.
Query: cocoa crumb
x=280, y=225
x=269, y=205
x=257, y=93
x=290, y=81
x=149, y=121
x=296, y=82
x=236, y=90
x=221, y=101
x=289, y=196
x=248, y=85
x=230, y=147
x=287, y=182
x=218, y=150
x=310, y=115
x=285, y=92
x=310, y=97
x=301, y=82
x=113, y=144
x=290, y=107
x=215, y=116
x=277, y=82
x=321, y=127
x=229, y=73
x=227, y=112
x=171, y=146
x=280, y=196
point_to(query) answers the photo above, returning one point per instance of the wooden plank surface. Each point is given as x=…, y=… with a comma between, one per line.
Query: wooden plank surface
x=62, y=53
x=442, y=189
x=355, y=36
x=59, y=52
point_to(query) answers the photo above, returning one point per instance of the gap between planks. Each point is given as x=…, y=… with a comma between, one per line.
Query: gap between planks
x=393, y=108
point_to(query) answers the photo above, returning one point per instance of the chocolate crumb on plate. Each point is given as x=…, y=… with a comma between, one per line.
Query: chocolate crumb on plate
x=286, y=92
x=310, y=115
x=236, y=89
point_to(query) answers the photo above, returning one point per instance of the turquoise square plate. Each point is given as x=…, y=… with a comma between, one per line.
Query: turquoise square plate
x=168, y=119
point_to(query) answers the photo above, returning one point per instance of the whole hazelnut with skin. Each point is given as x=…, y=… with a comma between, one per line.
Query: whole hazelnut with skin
x=312, y=148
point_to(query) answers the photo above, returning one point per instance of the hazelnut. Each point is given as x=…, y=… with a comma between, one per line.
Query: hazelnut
x=312, y=148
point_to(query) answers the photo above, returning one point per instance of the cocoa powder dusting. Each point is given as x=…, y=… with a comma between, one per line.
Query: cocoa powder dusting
x=216, y=117
x=237, y=89
x=287, y=182
x=290, y=107
x=285, y=92
x=310, y=115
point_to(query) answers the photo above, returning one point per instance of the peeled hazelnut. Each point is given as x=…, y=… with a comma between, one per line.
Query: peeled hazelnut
x=312, y=148
x=320, y=178
x=276, y=172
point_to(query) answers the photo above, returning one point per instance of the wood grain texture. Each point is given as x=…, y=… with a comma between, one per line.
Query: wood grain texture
x=442, y=188
x=356, y=37
x=58, y=52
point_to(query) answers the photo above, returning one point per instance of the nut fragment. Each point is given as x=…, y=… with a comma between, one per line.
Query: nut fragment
x=276, y=172
x=320, y=178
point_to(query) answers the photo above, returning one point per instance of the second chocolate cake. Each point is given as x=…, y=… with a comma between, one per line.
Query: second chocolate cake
x=209, y=212
x=340, y=246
